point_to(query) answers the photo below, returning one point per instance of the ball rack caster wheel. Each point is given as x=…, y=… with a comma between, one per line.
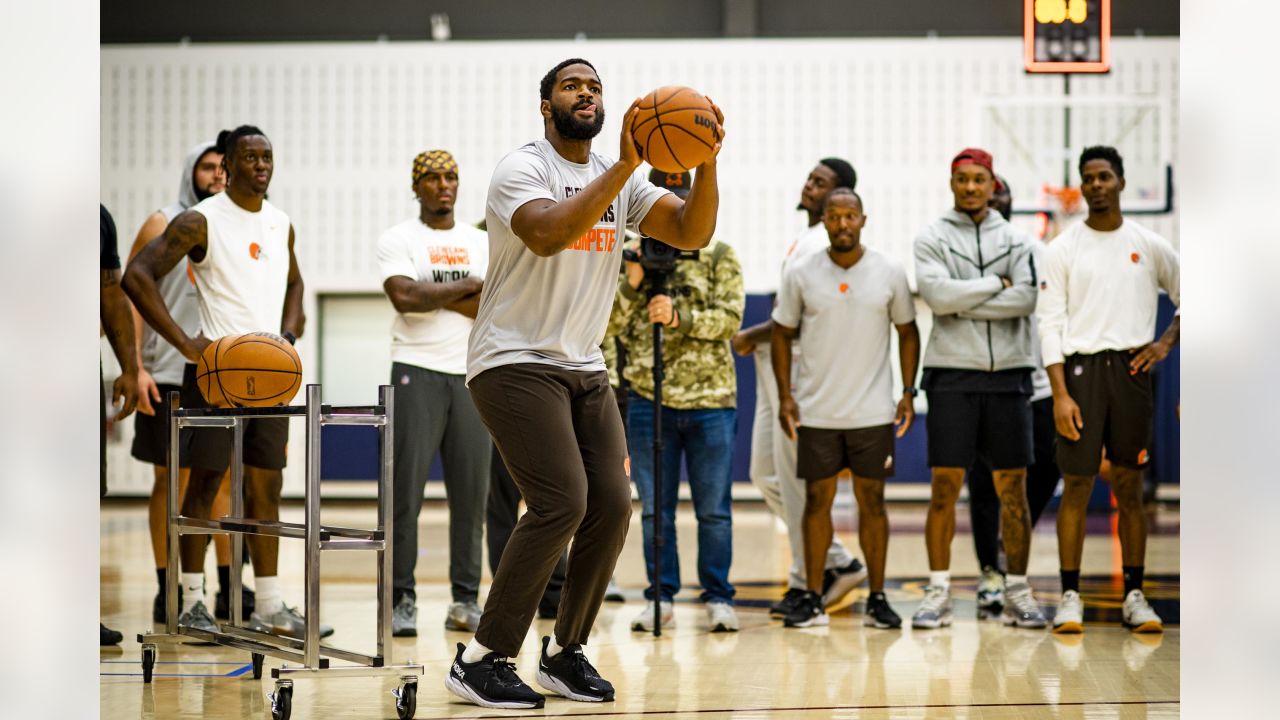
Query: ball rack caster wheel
x=257, y=665
x=406, y=698
x=148, y=661
x=281, y=700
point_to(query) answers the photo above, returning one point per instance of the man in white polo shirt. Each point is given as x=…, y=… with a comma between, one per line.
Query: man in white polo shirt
x=1097, y=311
x=432, y=271
x=843, y=410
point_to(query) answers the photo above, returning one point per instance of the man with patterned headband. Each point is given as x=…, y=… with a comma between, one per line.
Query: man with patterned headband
x=432, y=270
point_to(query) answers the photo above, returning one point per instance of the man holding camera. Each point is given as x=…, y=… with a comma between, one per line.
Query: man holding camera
x=699, y=301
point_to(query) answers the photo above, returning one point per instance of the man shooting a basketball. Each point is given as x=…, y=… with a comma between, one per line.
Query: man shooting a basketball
x=556, y=214
x=241, y=251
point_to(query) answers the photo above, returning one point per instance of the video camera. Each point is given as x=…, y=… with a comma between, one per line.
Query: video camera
x=656, y=256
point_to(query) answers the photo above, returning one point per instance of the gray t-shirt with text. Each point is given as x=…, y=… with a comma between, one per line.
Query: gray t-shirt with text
x=551, y=310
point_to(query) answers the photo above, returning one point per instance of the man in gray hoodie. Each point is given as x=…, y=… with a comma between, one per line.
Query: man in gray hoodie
x=977, y=273
x=160, y=371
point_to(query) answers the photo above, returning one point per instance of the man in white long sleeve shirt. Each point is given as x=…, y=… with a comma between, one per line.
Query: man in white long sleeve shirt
x=1097, y=313
x=977, y=273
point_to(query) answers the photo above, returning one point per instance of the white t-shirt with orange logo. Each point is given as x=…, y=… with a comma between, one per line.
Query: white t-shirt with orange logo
x=435, y=340
x=241, y=280
x=843, y=380
x=551, y=310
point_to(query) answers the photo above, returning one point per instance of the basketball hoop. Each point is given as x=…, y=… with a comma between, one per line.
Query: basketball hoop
x=1065, y=201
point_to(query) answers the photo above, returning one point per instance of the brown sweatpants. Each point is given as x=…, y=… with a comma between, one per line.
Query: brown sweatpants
x=561, y=436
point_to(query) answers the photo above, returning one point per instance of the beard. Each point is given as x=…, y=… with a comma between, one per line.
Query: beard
x=202, y=193
x=572, y=128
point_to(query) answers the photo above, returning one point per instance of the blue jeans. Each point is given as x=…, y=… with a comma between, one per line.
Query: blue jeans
x=705, y=439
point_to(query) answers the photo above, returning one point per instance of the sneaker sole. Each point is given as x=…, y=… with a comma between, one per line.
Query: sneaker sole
x=1026, y=624
x=1150, y=626
x=843, y=585
x=407, y=632
x=879, y=625
x=451, y=625
x=464, y=691
x=822, y=620
x=553, y=684
x=941, y=623
x=1069, y=628
x=667, y=624
x=722, y=627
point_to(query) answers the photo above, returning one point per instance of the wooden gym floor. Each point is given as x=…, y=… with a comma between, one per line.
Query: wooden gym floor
x=972, y=670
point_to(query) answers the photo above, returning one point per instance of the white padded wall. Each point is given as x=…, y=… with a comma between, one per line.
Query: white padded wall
x=347, y=119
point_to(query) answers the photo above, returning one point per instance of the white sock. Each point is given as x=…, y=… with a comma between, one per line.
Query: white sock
x=553, y=647
x=192, y=590
x=940, y=578
x=475, y=652
x=267, y=589
x=1010, y=580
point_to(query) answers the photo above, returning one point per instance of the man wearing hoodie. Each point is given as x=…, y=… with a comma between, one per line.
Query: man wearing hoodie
x=977, y=273
x=160, y=371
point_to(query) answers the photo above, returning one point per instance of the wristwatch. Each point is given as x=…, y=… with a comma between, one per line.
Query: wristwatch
x=293, y=339
x=912, y=390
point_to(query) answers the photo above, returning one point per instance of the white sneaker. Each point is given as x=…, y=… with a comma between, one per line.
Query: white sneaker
x=1021, y=608
x=990, y=594
x=463, y=616
x=720, y=617
x=1070, y=615
x=1138, y=615
x=644, y=621
x=613, y=593
x=935, y=611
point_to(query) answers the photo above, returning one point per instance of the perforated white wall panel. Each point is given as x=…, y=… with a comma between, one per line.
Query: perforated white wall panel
x=347, y=119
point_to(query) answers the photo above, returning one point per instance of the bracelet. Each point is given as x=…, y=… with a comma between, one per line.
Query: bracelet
x=293, y=339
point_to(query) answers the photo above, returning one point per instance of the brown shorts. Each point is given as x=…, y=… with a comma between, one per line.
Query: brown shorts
x=866, y=452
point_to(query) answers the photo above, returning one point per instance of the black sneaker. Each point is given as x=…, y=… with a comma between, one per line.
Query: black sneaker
x=879, y=614
x=107, y=636
x=839, y=582
x=571, y=675
x=787, y=603
x=491, y=682
x=159, y=606
x=222, y=603
x=808, y=612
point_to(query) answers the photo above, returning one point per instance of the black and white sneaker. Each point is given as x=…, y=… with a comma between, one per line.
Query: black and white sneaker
x=839, y=582
x=491, y=682
x=808, y=612
x=570, y=674
x=787, y=603
x=879, y=614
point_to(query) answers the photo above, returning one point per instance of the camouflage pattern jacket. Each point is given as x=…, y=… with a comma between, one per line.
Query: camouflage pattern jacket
x=708, y=294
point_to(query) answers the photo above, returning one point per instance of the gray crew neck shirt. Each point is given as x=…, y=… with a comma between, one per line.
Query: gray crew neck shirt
x=843, y=379
x=551, y=310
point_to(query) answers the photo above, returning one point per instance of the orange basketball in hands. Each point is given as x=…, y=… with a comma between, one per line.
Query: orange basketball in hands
x=675, y=128
x=254, y=370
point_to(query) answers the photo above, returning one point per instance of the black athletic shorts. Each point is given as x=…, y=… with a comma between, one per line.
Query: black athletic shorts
x=1116, y=407
x=210, y=448
x=867, y=452
x=151, y=433
x=964, y=426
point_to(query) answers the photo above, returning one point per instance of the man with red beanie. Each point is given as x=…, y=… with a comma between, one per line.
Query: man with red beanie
x=978, y=275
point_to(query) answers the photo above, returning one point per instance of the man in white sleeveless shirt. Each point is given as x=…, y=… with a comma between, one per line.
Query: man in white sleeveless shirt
x=160, y=368
x=241, y=255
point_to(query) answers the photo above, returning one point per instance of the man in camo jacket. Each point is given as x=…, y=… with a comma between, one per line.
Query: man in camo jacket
x=700, y=313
